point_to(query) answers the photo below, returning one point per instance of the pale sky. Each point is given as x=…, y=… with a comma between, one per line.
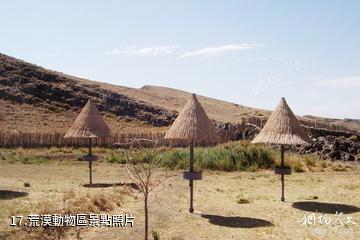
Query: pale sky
x=247, y=52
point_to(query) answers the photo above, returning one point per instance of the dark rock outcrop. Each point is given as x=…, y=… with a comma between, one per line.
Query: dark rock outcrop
x=335, y=148
x=326, y=144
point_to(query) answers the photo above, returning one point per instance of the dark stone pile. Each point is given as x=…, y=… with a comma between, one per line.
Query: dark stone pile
x=335, y=148
x=327, y=144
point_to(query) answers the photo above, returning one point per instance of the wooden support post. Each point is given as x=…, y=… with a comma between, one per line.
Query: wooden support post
x=90, y=161
x=282, y=175
x=191, y=182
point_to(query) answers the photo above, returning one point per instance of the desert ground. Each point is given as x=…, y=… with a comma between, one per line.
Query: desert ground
x=228, y=205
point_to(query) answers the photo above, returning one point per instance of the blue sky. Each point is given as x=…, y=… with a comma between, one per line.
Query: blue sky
x=247, y=52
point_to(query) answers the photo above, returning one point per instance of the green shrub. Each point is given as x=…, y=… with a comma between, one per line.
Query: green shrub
x=31, y=159
x=113, y=157
x=233, y=156
x=176, y=158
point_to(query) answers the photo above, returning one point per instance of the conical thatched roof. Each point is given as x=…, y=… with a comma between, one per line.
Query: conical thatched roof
x=193, y=123
x=282, y=128
x=89, y=124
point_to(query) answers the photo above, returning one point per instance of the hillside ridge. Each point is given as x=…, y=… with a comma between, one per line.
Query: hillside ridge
x=26, y=83
x=39, y=94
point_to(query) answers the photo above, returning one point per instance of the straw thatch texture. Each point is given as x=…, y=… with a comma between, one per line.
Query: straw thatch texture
x=193, y=123
x=282, y=128
x=89, y=124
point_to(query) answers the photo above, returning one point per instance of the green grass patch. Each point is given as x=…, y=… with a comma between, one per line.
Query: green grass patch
x=233, y=156
x=21, y=156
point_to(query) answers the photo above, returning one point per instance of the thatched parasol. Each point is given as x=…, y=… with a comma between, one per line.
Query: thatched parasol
x=193, y=126
x=89, y=124
x=282, y=128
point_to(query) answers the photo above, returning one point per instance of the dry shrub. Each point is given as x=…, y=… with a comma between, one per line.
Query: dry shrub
x=72, y=204
x=68, y=195
x=242, y=201
x=82, y=204
x=44, y=233
x=339, y=167
x=99, y=202
x=102, y=203
x=298, y=166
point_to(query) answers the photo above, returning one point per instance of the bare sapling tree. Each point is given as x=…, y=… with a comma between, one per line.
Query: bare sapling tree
x=141, y=164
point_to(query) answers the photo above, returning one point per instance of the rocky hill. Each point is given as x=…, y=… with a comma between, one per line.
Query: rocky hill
x=24, y=84
x=36, y=99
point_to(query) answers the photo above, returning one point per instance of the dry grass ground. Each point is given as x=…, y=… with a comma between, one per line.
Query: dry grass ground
x=28, y=118
x=174, y=100
x=236, y=205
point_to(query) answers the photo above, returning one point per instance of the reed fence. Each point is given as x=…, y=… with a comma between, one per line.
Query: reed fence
x=27, y=140
x=226, y=133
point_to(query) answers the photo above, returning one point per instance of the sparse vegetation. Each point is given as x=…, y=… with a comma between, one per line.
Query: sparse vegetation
x=140, y=166
x=339, y=167
x=298, y=166
x=341, y=138
x=72, y=204
x=242, y=201
x=116, y=157
x=353, y=138
x=231, y=156
x=155, y=235
x=312, y=198
x=244, y=194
